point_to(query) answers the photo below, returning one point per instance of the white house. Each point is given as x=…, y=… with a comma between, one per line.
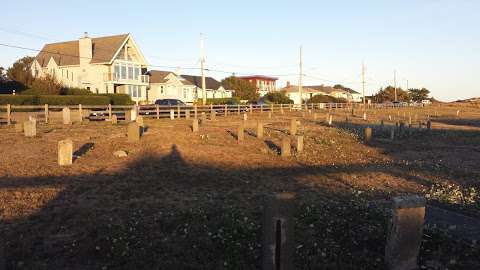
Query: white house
x=292, y=92
x=187, y=88
x=111, y=64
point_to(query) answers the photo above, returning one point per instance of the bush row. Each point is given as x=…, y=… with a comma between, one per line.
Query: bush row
x=220, y=101
x=326, y=99
x=114, y=99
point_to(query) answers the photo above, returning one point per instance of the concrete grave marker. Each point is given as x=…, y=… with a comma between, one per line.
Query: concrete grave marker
x=139, y=121
x=66, y=116
x=134, y=132
x=213, y=115
x=195, y=125
x=114, y=119
x=368, y=135
x=172, y=114
x=405, y=232
x=286, y=147
x=65, y=152
x=204, y=117
x=293, y=127
x=330, y=119
x=245, y=117
x=299, y=144
x=30, y=128
x=259, y=130
x=187, y=114
x=240, y=133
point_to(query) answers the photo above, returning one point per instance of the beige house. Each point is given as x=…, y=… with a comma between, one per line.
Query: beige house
x=187, y=88
x=112, y=64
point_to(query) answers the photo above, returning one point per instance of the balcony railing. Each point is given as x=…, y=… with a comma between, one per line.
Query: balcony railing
x=114, y=77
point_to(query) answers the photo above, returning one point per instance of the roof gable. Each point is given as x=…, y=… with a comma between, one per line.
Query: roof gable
x=67, y=53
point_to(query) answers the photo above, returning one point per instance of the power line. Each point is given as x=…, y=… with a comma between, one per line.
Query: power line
x=149, y=65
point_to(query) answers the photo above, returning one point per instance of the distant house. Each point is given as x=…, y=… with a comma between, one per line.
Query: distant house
x=310, y=91
x=293, y=93
x=347, y=94
x=264, y=84
x=111, y=64
x=187, y=88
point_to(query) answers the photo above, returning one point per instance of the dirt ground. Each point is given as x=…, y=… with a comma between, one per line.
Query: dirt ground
x=183, y=200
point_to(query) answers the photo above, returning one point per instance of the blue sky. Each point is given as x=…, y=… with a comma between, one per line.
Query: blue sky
x=432, y=43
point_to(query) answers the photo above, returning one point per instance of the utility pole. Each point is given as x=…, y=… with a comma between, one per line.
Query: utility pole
x=202, y=63
x=395, y=83
x=407, y=86
x=363, y=83
x=300, y=78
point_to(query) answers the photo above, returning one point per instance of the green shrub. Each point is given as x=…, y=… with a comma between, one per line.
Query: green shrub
x=16, y=100
x=114, y=99
x=326, y=99
x=53, y=100
x=221, y=101
x=75, y=91
x=74, y=100
x=119, y=99
x=277, y=98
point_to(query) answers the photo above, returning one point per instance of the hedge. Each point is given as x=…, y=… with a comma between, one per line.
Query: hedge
x=53, y=100
x=114, y=99
x=326, y=99
x=220, y=101
x=119, y=99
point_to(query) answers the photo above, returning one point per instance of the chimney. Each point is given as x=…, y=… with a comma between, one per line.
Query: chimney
x=85, y=49
x=288, y=84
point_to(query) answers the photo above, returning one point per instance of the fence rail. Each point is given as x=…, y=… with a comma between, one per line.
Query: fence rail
x=102, y=112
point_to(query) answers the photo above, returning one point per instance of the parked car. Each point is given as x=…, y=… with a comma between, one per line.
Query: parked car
x=169, y=102
x=102, y=115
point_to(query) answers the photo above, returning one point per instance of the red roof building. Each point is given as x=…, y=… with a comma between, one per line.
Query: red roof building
x=264, y=84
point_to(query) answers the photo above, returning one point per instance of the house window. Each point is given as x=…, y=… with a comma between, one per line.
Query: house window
x=116, y=72
x=161, y=90
x=130, y=72
x=123, y=72
x=134, y=91
x=137, y=73
x=185, y=92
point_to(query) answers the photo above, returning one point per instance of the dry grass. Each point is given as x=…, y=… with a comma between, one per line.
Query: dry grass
x=194, y=201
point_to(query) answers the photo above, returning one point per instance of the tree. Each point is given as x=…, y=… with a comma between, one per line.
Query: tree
x=418, y=95
x=3, y=75
x=20, y=71
x=388, y=94
x=244, y=90
x=47, y=85
x=277, y=98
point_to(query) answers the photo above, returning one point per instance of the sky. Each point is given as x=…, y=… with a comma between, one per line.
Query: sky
x=431, y=43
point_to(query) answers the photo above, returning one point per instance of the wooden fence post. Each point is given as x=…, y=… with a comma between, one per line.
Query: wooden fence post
x=226, y=110
x=157, y=108
x=80, y=113
x=278, y=233
x=109, y=110
x=9, y=112
x=238, y=109
x=46, y=113
x=178, y=111
x=251, y=109
x=195, y=111
x=261, y=108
